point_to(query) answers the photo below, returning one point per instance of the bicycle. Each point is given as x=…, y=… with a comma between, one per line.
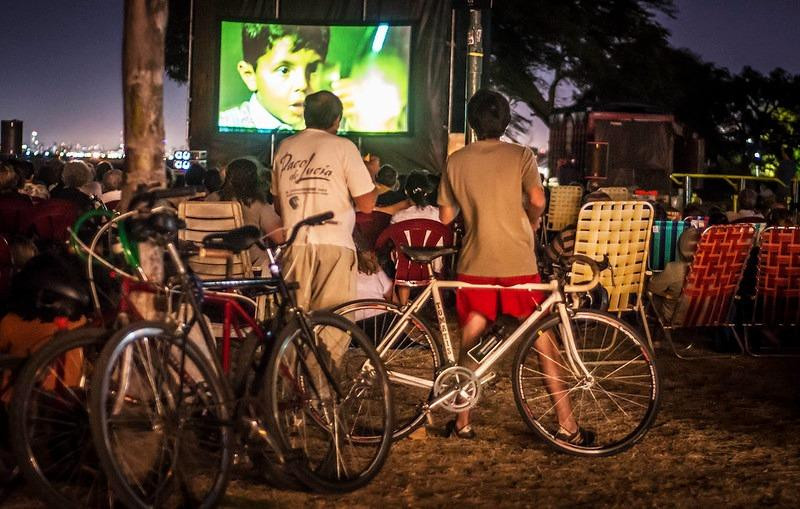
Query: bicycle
x=157, y=386
x=597, y=365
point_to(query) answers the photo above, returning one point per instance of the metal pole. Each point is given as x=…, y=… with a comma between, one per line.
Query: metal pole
x=277, y=9
x=364, y=10
x=687, y=191
x=189, y=78
x=272, y=149
x=450, y=81
x=474, y=63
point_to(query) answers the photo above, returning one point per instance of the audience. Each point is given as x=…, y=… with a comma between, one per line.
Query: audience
x=112, y=187
x=372, y=281
x=242, y=185
x=667, y=285
x=418, y=190
x=74, y=177
x=748, y=199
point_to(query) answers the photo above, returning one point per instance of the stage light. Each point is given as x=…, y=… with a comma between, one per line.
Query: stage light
x=380, y=38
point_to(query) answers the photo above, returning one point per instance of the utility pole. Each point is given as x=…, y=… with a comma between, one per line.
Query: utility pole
x=474, y=56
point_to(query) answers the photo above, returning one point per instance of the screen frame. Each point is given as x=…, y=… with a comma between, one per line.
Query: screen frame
x=410, y=105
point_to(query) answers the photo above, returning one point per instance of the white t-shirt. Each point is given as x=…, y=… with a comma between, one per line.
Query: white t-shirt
x=315, y=172
x=414, y=212
x=371, y=286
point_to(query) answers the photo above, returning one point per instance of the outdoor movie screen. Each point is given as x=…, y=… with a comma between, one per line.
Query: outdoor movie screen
x=266, y=70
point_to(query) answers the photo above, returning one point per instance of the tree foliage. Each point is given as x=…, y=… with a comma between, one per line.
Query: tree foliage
x=176, y=47
x=542, y=46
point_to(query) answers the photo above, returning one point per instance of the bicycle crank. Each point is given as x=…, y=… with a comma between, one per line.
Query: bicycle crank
x=456, y=389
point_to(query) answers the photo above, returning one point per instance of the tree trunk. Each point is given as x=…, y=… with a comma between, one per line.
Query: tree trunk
x=143, y=94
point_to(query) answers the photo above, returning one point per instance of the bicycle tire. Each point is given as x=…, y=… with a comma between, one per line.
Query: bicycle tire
x=301, y=407
x=50, y=422
x=415, y=352
x=618, y=403
x=119, y=398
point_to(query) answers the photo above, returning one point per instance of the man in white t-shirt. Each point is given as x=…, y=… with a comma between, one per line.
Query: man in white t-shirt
x=316, y=171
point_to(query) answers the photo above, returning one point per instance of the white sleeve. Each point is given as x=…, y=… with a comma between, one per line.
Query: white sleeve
x=386, y=283
x=359, y=181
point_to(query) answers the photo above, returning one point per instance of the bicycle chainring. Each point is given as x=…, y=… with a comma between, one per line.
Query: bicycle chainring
x=462, y=380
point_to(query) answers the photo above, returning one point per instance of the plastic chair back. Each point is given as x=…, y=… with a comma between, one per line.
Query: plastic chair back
x=203, y=218
x=778, y=282
x=415, y=233
x=14, y=209
x=620, y=230
x=565, y=203
x=50, y=219
x=664, y=243
x=371, y=225
x=714, y=276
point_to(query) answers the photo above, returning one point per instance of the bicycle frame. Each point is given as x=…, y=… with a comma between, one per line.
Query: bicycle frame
x=433, y=290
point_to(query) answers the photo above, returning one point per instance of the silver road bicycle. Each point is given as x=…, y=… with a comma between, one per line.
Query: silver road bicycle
x=569, y=362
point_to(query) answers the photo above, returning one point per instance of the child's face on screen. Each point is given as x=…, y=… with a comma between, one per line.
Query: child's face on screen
x=281, y=79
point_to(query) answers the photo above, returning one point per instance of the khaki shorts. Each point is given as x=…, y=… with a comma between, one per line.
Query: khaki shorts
x=326, y=274
x=327, y=277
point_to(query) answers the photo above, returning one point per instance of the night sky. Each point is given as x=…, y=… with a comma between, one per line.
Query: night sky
x=61, y=60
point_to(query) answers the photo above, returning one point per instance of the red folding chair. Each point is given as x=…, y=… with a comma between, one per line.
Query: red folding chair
x=14, y=209
x=414, y=233
x=50, y=219
x=712, y=282
x=777, y=300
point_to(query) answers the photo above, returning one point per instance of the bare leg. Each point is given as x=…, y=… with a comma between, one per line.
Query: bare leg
x=476, y=324
x=552, y=364
x=403, y=292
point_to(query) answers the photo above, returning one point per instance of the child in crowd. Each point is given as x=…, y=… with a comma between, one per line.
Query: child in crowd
x=277, y=64
x=418, y=189
x=372, y=281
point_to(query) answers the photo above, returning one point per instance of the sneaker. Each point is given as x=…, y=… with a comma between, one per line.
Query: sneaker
x=581, y=437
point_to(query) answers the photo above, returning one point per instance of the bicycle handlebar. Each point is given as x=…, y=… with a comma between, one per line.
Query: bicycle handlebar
x=309, y=221
x=597, y=268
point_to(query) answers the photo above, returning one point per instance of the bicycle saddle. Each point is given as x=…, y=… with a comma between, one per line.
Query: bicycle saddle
x=235, y=240
x=426, y=254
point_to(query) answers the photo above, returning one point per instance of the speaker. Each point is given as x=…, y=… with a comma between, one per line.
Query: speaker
x=11, y=138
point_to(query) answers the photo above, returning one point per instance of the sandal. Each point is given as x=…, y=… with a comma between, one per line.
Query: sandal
x=581, y=437
x=466, y=432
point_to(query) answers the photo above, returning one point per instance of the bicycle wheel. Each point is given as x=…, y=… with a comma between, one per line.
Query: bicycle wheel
x=618, y=400
x=50, y=423
x=160, y=419
x=414, y=352
x=335, y=441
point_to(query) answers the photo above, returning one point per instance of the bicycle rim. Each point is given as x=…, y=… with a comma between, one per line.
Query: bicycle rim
x=414, y=352
x=49, y=419
x=618, y=401
x=173, y=408
x=335, y=442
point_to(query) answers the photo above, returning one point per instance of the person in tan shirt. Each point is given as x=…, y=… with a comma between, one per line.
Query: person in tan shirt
x=497, y=188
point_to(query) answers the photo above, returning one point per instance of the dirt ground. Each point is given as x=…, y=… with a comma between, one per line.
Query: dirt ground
x=726, y=435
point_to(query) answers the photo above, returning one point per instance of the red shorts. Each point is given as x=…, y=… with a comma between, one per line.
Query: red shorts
x=517, y=303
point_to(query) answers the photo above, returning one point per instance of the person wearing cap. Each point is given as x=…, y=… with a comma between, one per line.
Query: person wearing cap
x=667, y=285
